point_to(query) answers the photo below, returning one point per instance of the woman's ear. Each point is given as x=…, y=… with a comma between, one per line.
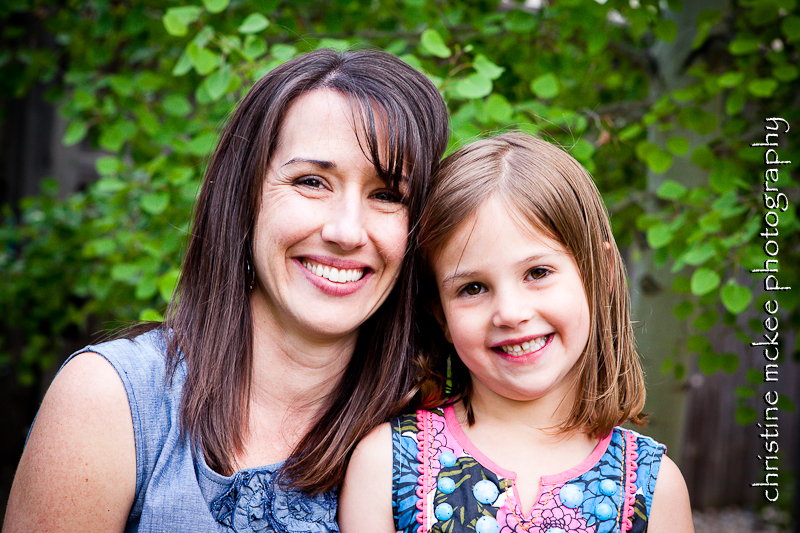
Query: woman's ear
x=435, y=308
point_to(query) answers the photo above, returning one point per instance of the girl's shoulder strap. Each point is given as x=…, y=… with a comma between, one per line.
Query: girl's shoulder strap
x=405, y=472
x=642, y=462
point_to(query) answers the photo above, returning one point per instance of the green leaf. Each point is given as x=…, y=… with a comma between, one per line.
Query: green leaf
x=177, y=105
x=704, y=280
x=709, y=362
x=107, y=165
x=155, y=203
x=216, y=6
x=487, y=68
x=671, y=190
x=204, y=61
x=729, y=363
x=730, y=79
x=706, y=320
x=167, y=283
x=746, y=415
x=177, y=19
x=743, y=45
x=476, y=85
x=433, y=44
x=735, y=103
x=743, y=391
x=735, y=297
x=630, y=131
x=658, y=160
x=683, y=310
x=678, y=145
x=75, y=132
x=498, y=108
x=666, y=30
x=126, y=273
x=183, y=65
x=659, y=236
x=150, y=315
x=698, y=120
x=785, y=73
x=790, y=26
x=254, y=47
x=217, y=84
x=546, y=86
x=763, y=87
x=699, y=254
x=254, y=23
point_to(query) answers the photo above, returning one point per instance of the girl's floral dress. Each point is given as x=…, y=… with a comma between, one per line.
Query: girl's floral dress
x=442, y=483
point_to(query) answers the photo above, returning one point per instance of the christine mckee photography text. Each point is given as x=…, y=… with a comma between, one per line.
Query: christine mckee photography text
x=775, y=203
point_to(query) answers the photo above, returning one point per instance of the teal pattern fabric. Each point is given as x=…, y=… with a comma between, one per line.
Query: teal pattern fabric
x=441, y=483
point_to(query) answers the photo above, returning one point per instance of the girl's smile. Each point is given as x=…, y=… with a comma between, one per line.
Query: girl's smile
x=513, y=304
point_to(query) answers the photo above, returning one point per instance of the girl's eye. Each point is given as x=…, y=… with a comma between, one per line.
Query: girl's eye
x=539, y=272
x=388, y=195
x=472, y=289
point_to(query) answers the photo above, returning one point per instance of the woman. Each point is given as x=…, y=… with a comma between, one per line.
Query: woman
x=290, y=336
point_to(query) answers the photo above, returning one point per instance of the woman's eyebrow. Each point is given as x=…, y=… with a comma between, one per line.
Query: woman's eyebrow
x=327, y=165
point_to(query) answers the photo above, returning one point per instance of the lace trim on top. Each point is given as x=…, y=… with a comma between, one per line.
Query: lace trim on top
x=631, y=464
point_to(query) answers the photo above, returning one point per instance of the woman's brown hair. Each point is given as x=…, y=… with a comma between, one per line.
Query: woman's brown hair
x=552, y=192
x=209, y=318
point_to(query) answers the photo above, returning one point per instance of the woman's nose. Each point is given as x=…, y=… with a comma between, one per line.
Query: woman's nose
x=345, y=223
x=513, y=307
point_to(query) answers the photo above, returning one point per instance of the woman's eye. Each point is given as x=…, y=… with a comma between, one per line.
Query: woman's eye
x=472, y=289
x=539, y=272
x=388, y=195
x=310, y=181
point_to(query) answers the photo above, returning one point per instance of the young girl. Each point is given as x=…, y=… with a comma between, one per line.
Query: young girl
x=519, y=433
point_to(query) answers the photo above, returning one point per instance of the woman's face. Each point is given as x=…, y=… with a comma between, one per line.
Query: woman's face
x=330, y=234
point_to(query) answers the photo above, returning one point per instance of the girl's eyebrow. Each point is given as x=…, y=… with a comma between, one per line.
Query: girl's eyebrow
x=459, y=274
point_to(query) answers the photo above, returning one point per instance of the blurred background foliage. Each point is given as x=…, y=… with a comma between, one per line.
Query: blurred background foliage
x=148, y=84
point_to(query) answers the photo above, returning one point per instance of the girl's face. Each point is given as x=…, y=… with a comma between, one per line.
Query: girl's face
x=330, y=235
x=513, y=306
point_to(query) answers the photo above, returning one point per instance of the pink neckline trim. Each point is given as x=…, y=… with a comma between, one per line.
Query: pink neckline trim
x=553, y=479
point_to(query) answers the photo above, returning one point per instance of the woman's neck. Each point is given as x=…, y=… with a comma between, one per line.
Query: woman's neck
x=292, y=375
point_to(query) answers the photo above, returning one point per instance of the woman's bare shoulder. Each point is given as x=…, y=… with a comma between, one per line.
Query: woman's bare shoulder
x=78, y=470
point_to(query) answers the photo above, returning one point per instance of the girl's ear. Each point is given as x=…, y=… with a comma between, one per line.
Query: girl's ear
x=436, y=310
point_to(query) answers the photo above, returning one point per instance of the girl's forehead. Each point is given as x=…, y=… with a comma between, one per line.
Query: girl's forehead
x=494, y=225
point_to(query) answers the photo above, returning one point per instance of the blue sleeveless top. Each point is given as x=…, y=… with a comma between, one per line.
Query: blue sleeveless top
x=442, y=483
x=175, y=489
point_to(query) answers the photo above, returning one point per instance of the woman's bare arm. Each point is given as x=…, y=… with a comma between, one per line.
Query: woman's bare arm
x=78, y=470
x=365, y=502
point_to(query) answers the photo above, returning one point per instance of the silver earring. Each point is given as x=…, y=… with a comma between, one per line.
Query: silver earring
x=250, y=275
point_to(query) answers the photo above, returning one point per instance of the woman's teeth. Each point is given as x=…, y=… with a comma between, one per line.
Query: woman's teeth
x=525, y=347
x=334, y=274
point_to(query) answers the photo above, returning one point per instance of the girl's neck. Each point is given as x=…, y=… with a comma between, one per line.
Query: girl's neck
x=526, y=439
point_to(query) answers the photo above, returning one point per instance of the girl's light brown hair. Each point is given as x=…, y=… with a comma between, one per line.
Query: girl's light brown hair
x=553, y=193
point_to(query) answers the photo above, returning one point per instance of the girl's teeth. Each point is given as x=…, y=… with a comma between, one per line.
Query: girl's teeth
x=525, y=347
x=334, y=274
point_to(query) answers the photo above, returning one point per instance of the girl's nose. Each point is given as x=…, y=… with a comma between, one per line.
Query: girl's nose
x=513, y=307
x=345, y=223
